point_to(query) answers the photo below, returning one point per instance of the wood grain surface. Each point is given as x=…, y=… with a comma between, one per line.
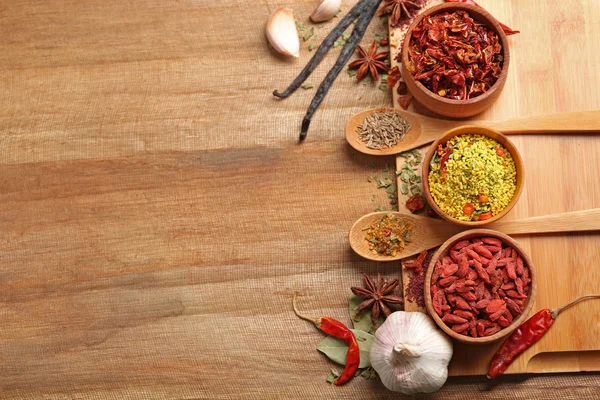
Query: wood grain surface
x=156, y=212
x=561, y=176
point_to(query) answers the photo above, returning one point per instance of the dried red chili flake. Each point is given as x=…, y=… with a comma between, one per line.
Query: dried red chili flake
x=415, y=290
x=415, y=203
x=489, y=298
x=454, y=56
x=394, y=76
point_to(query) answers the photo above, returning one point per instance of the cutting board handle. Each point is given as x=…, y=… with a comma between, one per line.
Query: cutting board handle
x=573, y=221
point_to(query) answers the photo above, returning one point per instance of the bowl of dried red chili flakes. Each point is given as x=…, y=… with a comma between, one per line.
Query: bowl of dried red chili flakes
x=455, y=59
x=480, y=286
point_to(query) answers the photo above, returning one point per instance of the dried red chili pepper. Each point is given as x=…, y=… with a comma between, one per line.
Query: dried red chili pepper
x=526, y=335
x=417, y=263
x=505, y=28
x=339, y=330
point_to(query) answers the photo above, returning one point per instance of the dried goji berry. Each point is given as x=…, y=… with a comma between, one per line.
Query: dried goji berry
x=445, y=282
x=494, y=306
x=450, y=319
x=449, y=270
x=482, y=273
x=462, y=304
x=472, y=275
x=491, y=331
x=503, y=322
x=464, y=314
x=473, y=254
x=460, y=245
x=514, y=308
x=460, y=328
x=520, y=266
x=492, y=241
x=497, y=314
x=469, y=296
x=510, y=270
x=480, y=328
x=515, y=294
x=482, y=251
x=507, y=286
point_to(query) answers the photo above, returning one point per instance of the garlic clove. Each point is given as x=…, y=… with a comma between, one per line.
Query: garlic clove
x=282, y=33
x=326, y=10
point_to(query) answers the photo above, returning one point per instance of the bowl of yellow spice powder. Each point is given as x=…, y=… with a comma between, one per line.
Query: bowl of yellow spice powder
x=473, y=175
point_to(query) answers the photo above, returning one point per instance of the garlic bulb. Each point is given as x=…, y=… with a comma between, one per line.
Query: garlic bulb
x=410, y=354
x=282, y=33
x=326, y=10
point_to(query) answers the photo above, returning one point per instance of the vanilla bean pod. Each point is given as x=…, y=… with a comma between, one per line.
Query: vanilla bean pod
x=323, y=49
x=359, y=30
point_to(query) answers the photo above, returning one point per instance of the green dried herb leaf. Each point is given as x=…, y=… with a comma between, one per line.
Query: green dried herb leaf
x=405, y=176
x=379, y=208
x=373, y=198
x=346, y=35
x=384, y=77
x=416, y=179
x=398, y=172
x=404, y=189
x=311, y=47
x=337, y=15
x=415, y=189
x=391, y=189
x=332, y=375
x=300, y=25
x=352, y=72
x=309, y=34
x=383, y=87
x=379, y=36
x=369, y=373
x=336, y=348
x=338, y=43
x=306, y=86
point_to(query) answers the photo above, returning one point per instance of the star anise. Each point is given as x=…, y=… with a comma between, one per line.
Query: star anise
x=398, y=8
x=377, y=296
x=369, y=62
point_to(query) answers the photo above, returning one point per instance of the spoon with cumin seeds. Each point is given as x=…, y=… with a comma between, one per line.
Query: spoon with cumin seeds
x=424, y=130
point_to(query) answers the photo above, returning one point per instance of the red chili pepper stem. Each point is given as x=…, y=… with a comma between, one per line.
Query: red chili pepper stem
x=577, y=300
x=316, y=321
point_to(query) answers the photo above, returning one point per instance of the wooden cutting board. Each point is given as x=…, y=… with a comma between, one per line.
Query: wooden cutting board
x=562, y=175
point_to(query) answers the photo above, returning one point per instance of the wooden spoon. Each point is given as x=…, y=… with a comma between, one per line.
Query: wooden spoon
x=425, y=130
x=431, y=232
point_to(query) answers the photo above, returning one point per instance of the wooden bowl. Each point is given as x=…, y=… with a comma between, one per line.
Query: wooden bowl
x=448, y=107
x=493, y=134
x=443, y=251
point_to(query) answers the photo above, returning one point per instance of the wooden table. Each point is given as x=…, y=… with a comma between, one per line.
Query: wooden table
x=156, y=213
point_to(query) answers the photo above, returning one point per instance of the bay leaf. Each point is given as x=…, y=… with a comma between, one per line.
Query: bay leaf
x=362, y=320
x=336, y=349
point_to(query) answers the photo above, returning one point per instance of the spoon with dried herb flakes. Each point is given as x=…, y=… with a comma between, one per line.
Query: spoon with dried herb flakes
x=427, y=233
x=424, y=130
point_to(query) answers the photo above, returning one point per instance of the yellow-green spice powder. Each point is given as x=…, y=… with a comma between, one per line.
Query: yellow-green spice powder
x=480, y=174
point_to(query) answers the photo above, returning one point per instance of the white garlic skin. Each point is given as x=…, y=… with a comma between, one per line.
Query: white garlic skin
x=411, y=354
x=282, y=33
x=326, y=10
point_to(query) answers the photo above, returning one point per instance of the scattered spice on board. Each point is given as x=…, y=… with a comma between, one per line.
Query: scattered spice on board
x=415, y=289
x=388, y=236
x=379, y=296
x=480, y=286
x=408, y=173
x=454, y=56
x=472, y=177
x=526, y=335
x=383, y=129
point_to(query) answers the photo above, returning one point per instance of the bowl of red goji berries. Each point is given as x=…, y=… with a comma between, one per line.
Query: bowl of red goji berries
x=480, y=286
x=455, y=59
